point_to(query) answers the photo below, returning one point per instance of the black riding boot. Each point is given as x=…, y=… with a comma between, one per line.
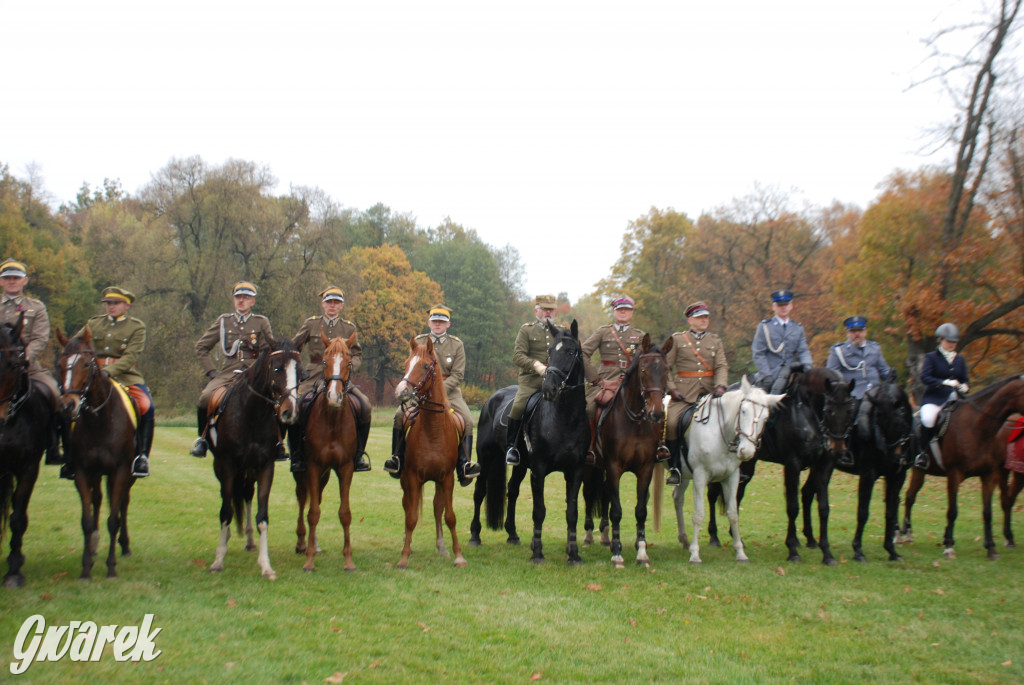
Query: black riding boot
x=466, y=469
x=512, y=436
x=924, y=437
x=362, y=435
x=143, y=444
x=591, y=457
x=675, y=464
x=393, y=465
x=53, y=455
x=199, y=447
x=67, y=471
x=296, y=437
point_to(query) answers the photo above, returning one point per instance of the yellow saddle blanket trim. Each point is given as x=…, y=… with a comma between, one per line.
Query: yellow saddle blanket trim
x=126, y=400
x=460, y=426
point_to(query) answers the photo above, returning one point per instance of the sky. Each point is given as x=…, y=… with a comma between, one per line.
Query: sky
x=546, y=125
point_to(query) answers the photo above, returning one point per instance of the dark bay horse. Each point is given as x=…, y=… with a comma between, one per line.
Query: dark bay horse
x=970, y=448
x=882, y=446
x=24, y=434
x=244, y=439
x=809, y=432
x=431, y=448
x=629, y=432
x=555, y=437
x=330, y=444
x=102, y=444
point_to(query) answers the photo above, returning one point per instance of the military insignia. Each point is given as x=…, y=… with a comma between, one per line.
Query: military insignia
x=252, y=339
x=449, y=360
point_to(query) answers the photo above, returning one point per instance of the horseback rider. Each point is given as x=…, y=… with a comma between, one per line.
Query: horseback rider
x=332, y=301
x=779, y=346
x=617, y=342
x=36, y=335
x=451, y=358
x=119, y=341
x=241, y=336
x=530, y=354
x=944, y=377
x=860, y=360
x=697, y=366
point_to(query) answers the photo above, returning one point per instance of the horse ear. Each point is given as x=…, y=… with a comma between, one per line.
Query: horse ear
x=351, y=342
x=86, y=335
x=575, y=329
x=430, y=345
x=325, y=339
x=18, y=326
x=668, y=345
x=645, y=344
x=745, y=385
x=61, y=338
x=412, y=343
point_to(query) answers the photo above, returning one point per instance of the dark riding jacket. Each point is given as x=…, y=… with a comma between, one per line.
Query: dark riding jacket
x=936, y=369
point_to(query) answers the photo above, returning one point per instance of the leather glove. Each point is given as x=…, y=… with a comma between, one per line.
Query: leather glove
x=211, y=373
x=719, y=390
x=539, y=368
x=963, y=388
x=951, y=382
x=675, y=395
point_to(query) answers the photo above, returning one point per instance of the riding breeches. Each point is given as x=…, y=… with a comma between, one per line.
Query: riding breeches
x=522, y=397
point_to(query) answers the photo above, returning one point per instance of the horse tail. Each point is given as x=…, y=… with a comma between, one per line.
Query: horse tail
x=594, y=492
x=659, y=490
x=6, y=490
x=495, y=483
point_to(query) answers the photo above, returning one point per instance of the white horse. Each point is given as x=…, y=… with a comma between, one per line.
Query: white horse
x=724, y=432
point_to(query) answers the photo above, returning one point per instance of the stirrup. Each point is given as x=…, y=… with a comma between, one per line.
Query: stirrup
x=297, y=466
x=199, y=447
x=590, y=458
x=362, y=463
x=922, y=462
x=470, y=470
x=663, y=453
x=512, y=456
x=282, y=453
x=140, y=466
x=67, y=472
x=53, y=456
x=392, y=465
x=674, y=477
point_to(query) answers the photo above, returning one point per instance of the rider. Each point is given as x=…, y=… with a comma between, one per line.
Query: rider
x=530, y=354
x=697, y=366
x=780, y=345
x=240, y=336
x=119, y=341
x=617, y=343
x=860, y=360
x=451, y=358
x=332, y=301
x=944, y=377
x=36, y=334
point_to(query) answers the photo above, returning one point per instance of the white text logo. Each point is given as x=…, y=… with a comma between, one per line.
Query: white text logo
x=82, y=641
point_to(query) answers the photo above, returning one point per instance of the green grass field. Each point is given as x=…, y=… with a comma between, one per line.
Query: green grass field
x=503, y=619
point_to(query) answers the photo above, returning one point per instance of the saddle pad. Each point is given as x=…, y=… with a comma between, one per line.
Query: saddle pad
x=1015, y=448
x=129, y=406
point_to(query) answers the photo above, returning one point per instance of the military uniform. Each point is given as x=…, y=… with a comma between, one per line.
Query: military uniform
x=696, y=365
x=776, y=345
x=614, y=358
x=532, y=343
x=864, y=364
x=36, y=335
x=309, y=337
x=119, y=345
x=240, y=339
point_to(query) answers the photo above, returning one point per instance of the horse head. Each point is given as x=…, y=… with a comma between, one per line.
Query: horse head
x=565, y=362
x=893, y=418
x=420, y=371
x=755, y=406
x=282, y=370
x=13, y=368
x=647, y=376
x=77, y=370
x=337, y=367
x=834, y=407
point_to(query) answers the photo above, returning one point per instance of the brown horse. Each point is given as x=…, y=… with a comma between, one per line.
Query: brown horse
x=244, y=437
x=330, y=444
x=969, y=449
x=102, y=444
x=431, y=447
x=629, y=432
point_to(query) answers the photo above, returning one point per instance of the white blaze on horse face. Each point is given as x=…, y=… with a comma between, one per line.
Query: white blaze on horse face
x=334, y=386
x=750, y=423
x=72, y=360
x=558, y=346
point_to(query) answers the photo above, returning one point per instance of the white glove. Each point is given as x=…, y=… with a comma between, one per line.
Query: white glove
x=951, y=382
x=539, y=368
x=962, y=388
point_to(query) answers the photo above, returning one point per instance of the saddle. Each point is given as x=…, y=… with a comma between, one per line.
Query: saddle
x=499, y=423
x=604, y=395
x=409, y=419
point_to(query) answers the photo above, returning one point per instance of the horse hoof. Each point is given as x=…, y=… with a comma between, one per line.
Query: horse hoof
x=461, y=563
x=514, y=540
x=575, y=562
x=300, y=550
x=474, y=542
x=14, y=582
x=861, y=558
x=715, y=542
x=126, y=553
x=812, y=544
x=250, y=548
x=830, y=562
x=536, y=560
x=949, y=553
x=350, y=569
x=696, y=561
x=794, y=558
x=993, y=555
x=588, y=539
x=743, y=561
x=270, y=576
x=1011, y=545
x=308, y=570
x=895, y=557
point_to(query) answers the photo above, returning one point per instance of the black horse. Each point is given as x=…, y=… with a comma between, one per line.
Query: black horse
x=244, y=441
x=809, y=432
x=24, y=433
x=882, y=447
x=555, y=437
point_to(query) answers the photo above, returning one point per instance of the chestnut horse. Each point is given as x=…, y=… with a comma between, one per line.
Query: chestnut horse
x=628, y=434
x=25, y=430
x=102, y=444
x=244, y=440
x=330, y=444
x=431, y=448
x=969, y=448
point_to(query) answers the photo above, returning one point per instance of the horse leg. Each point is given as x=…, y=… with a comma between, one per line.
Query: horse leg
x=226, y=514
x=479, y=495
x=345, y=515
x=412, y=493
x=96, y=488
x=807, y=500
x=88, y=522
x=572, y=514
x=514, y=483
x=605, y=525
x=713, y=494
x=313, y=515
x=893, y=485
x=250, y=543
x=1008, y=495
x=678, y=497
x=792, y=479
x=865, y=486
x=539, y=512
x=821, y=477
x=906, y=530
x=19, y=524
x=643, y=490
x=117, y=485
x=300, y=526
x=449, y=518
x=122, y=538
x=612, y=482
x=439, y=519
x=730, y=490
x=953, y=480
x=263, y=482
x=699, y=486
x=988, y=484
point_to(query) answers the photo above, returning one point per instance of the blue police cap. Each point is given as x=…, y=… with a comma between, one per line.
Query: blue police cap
x=782, y=296
x=856, y=323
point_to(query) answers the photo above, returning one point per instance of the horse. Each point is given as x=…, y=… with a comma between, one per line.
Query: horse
x=431, y=448
x=555, y=436
x=747, y=469
x=103, y=417
x=881, y=445
x=243, y=437
x=809, y=432
x=628, y=434
x=25, y=428
x=969, y=448
x=725, y=433
x=330, y=444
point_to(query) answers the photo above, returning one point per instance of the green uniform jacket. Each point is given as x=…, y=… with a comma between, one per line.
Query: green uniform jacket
x=238, y=342
x=309, y=335
x=603, y=341
x=123, y=340
x=683, y=357
x=532, y=343
x=36, y=331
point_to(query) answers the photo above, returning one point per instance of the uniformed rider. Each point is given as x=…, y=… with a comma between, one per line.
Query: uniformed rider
x=332, y=301
x=944, y=377
x=696, y=366
x=530, y=354
x=451, y=358
x=780, y=345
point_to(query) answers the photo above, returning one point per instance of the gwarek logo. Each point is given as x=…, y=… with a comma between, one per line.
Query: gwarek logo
x=82, y=641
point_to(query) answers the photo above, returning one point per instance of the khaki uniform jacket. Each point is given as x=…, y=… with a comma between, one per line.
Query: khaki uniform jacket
x=239, y=343
x=119, y=346
x=683, y=358
x=613, y=362
x=35, y=333
x=532, y=343
x=451, y=357
x=309, y=336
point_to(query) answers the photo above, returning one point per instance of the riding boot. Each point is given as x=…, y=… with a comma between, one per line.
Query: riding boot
x=143, y=444
x=296, y=436
x=393, y=465
x=512, y=437
x=67, y=471
x=675, y=463
x=199, y=447
x=53, y=455
x=924, y=438
x=466, y=469
x=591, y=457
x=362, y=435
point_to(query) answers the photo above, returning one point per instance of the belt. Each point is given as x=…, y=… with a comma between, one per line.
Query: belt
x=620, y=364
x=695, y=374
x=316, y=360
x=245, y=354
x=106, y=361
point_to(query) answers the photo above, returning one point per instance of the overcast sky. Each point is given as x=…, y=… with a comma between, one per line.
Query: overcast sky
x=549, y=125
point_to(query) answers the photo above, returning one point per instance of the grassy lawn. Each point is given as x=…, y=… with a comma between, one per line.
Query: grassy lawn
x=505, y=620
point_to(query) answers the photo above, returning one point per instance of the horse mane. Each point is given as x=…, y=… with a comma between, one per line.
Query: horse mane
x=259, y=372
x=336, y=346
x=634, y=364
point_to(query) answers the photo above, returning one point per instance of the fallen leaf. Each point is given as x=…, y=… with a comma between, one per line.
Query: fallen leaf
x=906, y=588
x=935, y=644
x=847, y=600
x=632, y=622
x=201, y=563
x=939, y=591
x=60, y=575
x=536, y=676
x=336, y=629
x=1007, y=663
x=46, y=597
x=423, y=625
x=660, y=610
x=229, y=664
x=375, y=664
x=332, y=619
x=594, y=586
x=503, y=592
x=781, y=571
x=970, y=611
x=936, y=564
x=232, y=603
x=336, y=678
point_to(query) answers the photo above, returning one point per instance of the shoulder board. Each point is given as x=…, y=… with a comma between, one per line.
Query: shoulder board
x=313, y=318
x=137, y=320
x=838, y=344
x=768, y=320
x=349, y=323
x=421, y=336
x=640, y=332
x=260, y=316
x=455, y=338
x=98, y=316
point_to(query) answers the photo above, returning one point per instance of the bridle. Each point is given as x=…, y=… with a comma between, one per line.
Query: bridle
x=563, y=384
x=21, y=390
x=906, y=429
x=84, y=391
x=754, y=435
x=643, y=374
x=276, y=396
x=343, y=382
x=421, y=390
